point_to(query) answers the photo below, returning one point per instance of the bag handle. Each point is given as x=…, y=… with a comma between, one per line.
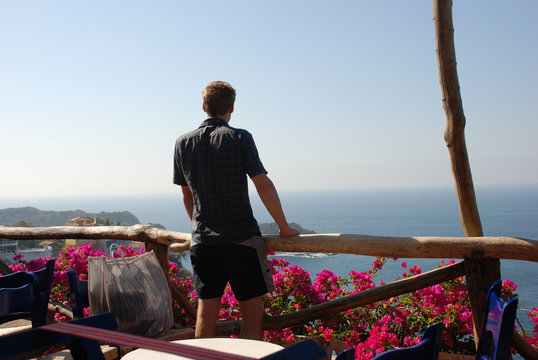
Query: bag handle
x=119, y=251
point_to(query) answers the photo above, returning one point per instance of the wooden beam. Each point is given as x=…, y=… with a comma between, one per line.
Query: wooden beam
x=368, y=296
x=481, y=273
x=161, y=253
x=133, y=233
x=181, y=299
x=407, y=247
x=352, y=301
x=523, y=347
x=55, y=307
x=455, y=130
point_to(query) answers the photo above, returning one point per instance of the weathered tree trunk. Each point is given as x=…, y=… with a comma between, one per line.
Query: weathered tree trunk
x=161, y=252
x=54, y=307
x=369, y=296
x=388, y=246
x=133, y=233
x=523, y=347
x=454, y=134
x=406, y=247
x=182, y=300
x=480, y=272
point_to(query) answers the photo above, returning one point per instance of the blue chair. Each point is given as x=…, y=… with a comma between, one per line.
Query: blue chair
x=427, y=349
x=44, y=277
x=79, y=294
x=305, y=350
x=495, y=341
x=45, y=280
x=20, y=298
x=348, y=354
x=38, y=342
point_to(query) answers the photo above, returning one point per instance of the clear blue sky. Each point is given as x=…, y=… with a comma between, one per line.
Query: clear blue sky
x=338, y=94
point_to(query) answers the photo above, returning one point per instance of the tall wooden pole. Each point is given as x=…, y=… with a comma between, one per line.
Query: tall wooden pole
x=480, y=272
x=454, y=133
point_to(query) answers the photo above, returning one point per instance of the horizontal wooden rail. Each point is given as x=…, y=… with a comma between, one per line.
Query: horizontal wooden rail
x=134, y=233
x=405, y=247
x=410, y=247
x=501, y=247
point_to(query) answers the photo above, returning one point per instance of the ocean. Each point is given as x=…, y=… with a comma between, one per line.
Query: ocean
x=504, y=210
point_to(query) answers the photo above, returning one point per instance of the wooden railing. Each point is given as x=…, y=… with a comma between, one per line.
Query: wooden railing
x=404, y=247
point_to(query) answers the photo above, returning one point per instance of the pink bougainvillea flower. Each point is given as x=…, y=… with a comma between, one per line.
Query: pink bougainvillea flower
x=509, y=284
x=415, y=270
x=18, y=257
x=34, y=265
x=328, y=334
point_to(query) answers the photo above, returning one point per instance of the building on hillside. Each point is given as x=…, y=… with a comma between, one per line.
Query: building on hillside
x=10, y=249
x=8, y=245
x=81, y=221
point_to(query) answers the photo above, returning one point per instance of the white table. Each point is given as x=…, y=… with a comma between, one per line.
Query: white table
x=242, y=347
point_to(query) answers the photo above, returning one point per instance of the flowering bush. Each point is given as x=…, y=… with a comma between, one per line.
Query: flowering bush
x=70, y=259
x=533, y=314
x=185, y=286
x=371, y=329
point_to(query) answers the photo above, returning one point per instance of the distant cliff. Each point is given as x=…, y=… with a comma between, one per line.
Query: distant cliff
x=272, y=228
x=35, y=217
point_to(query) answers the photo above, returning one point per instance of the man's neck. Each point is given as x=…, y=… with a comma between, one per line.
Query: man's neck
x=225, y=117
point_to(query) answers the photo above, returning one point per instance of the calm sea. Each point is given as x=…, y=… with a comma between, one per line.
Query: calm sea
x=507, y=211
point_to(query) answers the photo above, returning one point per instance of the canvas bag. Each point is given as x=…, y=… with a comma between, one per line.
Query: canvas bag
x=134, y=289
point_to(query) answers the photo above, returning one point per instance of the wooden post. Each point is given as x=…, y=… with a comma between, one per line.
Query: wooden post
x=161, y=251
x=454, y=133
x=480, y=272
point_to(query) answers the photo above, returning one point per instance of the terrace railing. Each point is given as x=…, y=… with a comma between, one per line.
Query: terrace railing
x=470, y=248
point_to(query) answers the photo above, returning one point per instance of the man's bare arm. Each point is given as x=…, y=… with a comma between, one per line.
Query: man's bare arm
x=188, y=201
x=267, y=191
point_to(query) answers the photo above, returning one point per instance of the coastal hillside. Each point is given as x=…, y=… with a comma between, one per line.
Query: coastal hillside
x=31, y=216
x=272, y=228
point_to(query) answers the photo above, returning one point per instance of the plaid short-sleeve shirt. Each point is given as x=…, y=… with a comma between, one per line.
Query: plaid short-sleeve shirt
x=214, y=161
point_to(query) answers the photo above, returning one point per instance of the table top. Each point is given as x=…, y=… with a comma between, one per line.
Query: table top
x=242, y=347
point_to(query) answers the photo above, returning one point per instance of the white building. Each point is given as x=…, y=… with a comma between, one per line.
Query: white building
x=10, y=248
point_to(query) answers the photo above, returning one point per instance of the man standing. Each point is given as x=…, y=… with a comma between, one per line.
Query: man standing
x=211, y=165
